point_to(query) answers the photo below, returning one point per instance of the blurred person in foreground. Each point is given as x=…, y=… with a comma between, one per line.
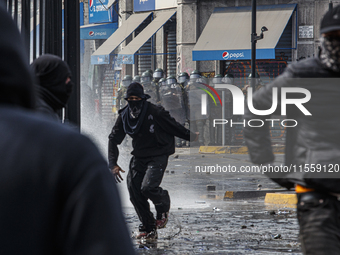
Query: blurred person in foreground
x=152, y=130
x=315, y=141
x=56, y=193
x=53, y=77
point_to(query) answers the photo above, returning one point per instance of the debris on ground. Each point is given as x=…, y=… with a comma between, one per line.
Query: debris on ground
x=278, y=236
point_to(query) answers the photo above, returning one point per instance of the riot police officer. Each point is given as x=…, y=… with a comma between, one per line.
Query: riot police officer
x=194, y=92
x=161, y=87
x=230, y=131
x=136, y=78
x=215, y=113
x=158, y=74
x=172, y=101
x=183, y=79
x=161, y=82
x=150, y=87
x=228, y=79
x=127, y=80
x=150, y=71
x=258, y=83
x=195, y=75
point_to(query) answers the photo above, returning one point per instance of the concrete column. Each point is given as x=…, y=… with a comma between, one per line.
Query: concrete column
x=159, y=47
x=125, y=9
x=89, y=48
x=218, y=67
x=186, y=35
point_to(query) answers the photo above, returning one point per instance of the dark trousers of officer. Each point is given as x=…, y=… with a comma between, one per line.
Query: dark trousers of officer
x=143, y=180
x=319, y=220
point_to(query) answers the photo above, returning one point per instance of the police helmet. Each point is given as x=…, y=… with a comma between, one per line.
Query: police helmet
x=162, y=82
x=127, y=80
x=183, y=77
x=158, y=73
x=217, y=79
x=136, y=79
x=228, y=78
x=195, y=74
x=146, y=77
x=171, y=80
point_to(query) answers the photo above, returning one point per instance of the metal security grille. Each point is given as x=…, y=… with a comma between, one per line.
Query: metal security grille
x=171, y=50
x=144, y=61
x=40, y=23
x=268, y=70
x=107, y=92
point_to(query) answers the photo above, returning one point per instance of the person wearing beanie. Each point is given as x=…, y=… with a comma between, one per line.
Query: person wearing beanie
x=57, y=195
x=152, y=130
x=53, y=77
x=312, y=147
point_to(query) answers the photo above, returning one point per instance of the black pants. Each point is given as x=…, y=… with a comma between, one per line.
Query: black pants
x=319, y=220
x=143, y=180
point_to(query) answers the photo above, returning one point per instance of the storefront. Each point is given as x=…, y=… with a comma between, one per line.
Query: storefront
x=226, y=38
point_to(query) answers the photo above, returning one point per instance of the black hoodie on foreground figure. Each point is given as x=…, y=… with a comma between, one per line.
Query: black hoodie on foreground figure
x=56, y=194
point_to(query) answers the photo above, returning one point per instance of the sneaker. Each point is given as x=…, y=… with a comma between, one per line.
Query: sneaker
x=152, y=235
x=162, y=220
x=141, y=235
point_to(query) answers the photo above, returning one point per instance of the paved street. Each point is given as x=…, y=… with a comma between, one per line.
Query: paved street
x=202, y=223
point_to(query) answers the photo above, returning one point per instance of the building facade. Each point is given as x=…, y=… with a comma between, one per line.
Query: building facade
x=212, y=36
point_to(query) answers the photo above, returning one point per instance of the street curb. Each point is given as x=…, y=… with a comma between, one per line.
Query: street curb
x=277, y=149
x=249, y=193
x=281, y=199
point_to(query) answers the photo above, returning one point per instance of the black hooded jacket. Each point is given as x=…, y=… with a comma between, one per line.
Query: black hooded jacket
x=315, y=141
x=155, y=137
x=51, y=73
x=56, y=193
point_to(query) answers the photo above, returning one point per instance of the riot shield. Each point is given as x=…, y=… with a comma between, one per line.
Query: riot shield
x=172, y=101
x=151, y=89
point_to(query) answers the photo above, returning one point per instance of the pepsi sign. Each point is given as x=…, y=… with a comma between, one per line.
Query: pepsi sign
x=235, y=55
x=99, y=31
x=225, y=55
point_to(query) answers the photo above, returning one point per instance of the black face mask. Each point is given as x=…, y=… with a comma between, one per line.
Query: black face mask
x=330, y=53
x=135, y=108
x=69, y=88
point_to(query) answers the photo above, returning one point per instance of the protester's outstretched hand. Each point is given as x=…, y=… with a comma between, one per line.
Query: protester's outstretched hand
x=116, y=172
